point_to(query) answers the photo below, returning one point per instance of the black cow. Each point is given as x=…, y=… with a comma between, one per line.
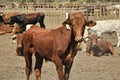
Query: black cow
x=4, y=18
x=1, y=19
x=23, y=19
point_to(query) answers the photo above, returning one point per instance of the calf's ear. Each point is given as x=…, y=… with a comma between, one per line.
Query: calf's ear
x=68, y=22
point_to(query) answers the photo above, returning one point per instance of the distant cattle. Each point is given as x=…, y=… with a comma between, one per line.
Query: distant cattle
x=56, y=45
x=106, y=26
x=113, y=9
x=98, y=47
x=23, y=19
x=6, y=28
x=18, y=37
x=16, y=29
x=4, y=18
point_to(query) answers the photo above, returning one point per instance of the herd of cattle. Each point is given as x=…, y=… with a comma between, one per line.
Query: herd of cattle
x=58, y=45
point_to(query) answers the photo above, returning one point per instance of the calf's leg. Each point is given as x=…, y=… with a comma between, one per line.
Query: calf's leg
x=67, y=70
x=59, y=67
x=111, y=49
x=28, y=60
x=38, y=66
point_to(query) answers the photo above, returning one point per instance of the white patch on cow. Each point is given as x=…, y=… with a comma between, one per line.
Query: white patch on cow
x=14, y=38
x=66, y=15
x=14, y=41
x=117, y=6
x=28, y=26
x=99, y=39
x=87, y=39
x=67, y=26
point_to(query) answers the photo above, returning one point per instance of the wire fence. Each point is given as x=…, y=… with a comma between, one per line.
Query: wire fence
x=56, y=14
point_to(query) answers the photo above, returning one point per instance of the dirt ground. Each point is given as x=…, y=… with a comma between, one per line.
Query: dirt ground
x=84, y=67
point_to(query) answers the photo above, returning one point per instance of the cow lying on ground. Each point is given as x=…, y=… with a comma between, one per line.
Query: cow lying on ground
x=105, y=26
x=6, y=28
x=98, y=47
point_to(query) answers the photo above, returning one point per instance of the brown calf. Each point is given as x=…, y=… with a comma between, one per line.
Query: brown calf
x=56, y=45
x=98, y=47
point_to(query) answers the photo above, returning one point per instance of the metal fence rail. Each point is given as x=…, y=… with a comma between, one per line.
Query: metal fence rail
x=56, y=15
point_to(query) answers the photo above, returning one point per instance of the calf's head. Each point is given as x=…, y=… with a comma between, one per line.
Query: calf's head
x=78, y=22
x=93, y=38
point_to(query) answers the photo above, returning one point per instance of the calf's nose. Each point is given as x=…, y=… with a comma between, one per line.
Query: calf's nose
x=79, y=39
x=94, y=45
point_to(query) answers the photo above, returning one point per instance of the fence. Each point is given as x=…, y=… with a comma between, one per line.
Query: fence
x=55, y=15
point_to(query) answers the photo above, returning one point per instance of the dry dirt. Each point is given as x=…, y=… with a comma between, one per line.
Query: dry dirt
x=84, y=67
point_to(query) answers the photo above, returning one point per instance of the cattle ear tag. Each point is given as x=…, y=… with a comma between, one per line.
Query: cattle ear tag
x=67, y=26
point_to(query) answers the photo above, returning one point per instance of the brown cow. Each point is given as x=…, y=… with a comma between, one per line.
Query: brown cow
x=6, y=28
x=98, y=47
x=19, y=47
x=56, y=45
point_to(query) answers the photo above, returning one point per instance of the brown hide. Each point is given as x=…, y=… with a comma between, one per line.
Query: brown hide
x=6, y=28
x=2, y=32
x=19, y=47
x=16, y=29
x=98, y=47
x=105, y=47
x=56, y=45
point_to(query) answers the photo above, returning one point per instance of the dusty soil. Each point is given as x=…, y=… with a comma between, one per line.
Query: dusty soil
x=84, y=67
